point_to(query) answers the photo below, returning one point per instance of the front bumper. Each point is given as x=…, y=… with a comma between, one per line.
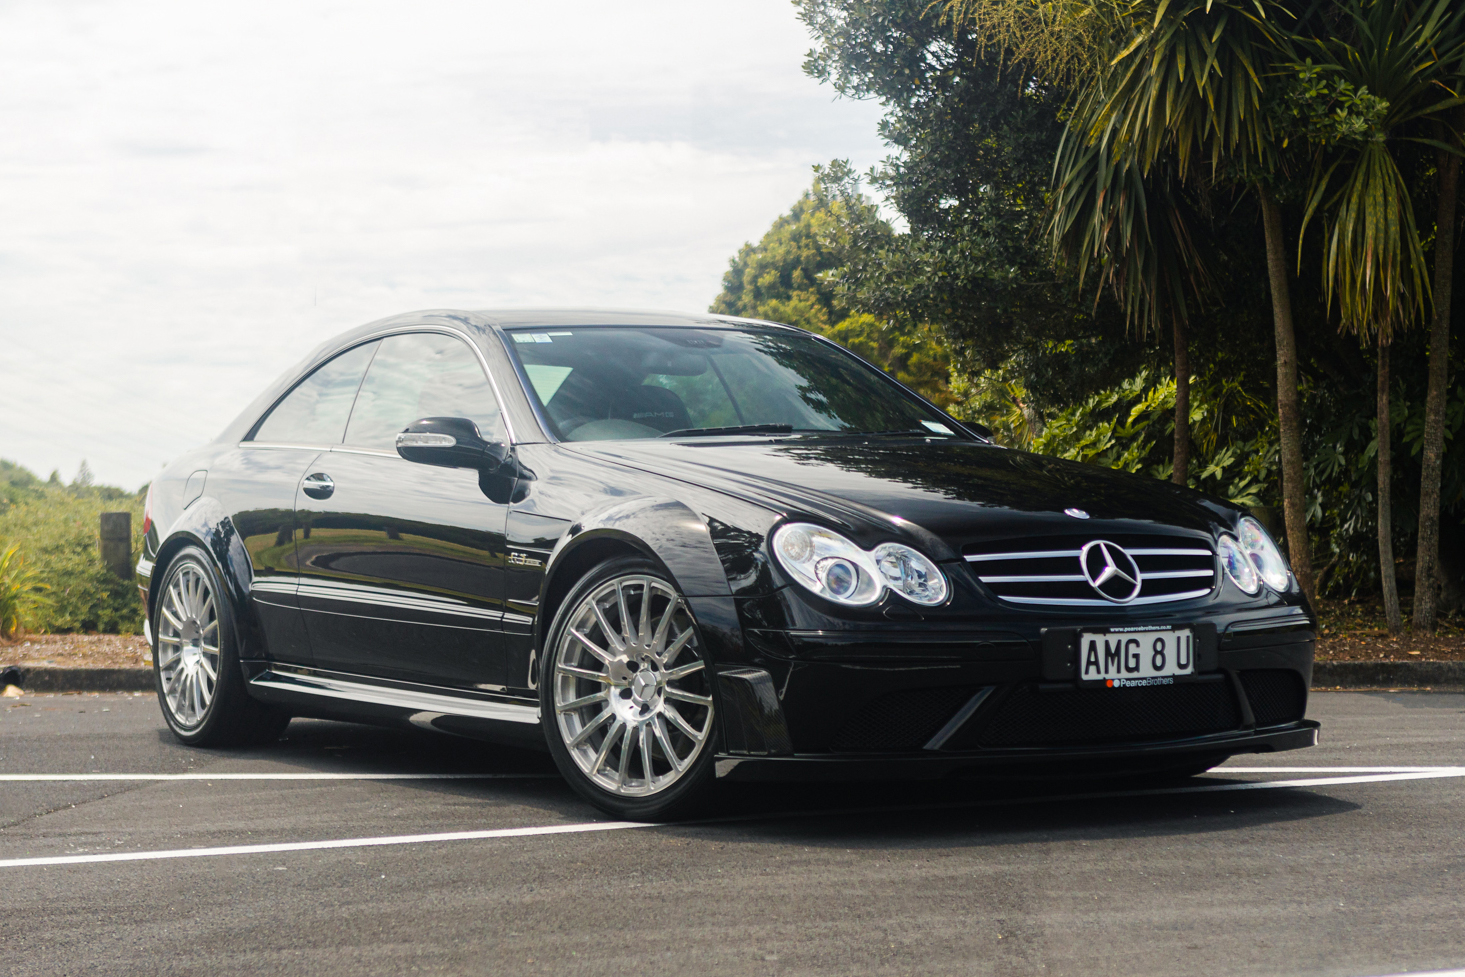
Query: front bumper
x=1033, y=762
x=861, y=707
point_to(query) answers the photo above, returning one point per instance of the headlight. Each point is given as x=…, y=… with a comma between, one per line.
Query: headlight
x=1264, y=555
x=910, y=574
x=1238, y=567
x=835, y=568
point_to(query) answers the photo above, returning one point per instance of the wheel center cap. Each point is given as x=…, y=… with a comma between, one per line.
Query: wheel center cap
x=644, y=685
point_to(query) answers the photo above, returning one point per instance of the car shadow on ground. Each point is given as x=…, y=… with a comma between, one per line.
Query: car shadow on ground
x=925, y=814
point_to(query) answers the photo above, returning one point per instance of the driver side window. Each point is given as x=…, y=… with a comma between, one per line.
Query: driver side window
x=421, y=375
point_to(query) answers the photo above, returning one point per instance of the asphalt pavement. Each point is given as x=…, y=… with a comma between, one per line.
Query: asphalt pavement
x=305, y=857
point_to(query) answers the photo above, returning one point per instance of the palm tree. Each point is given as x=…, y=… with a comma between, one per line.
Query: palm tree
x=1377, y=77
x=1186, y=88
x=1447, y=170
x=1134, y=231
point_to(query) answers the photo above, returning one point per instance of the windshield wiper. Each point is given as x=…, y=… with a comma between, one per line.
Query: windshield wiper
x=710, y=432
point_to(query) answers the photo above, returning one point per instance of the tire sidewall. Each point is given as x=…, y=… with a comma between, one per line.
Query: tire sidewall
x=689, y=791
x=229, y=680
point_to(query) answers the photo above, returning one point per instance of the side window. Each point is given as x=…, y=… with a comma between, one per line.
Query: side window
x=421, y=375
x=315, y=412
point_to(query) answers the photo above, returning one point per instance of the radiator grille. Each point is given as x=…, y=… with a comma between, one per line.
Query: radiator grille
x=1049, y=571
x=1277, y=695
x=901, y=721
x=1080, y=717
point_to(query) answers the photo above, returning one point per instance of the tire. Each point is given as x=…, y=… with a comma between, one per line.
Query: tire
x=622, y=690
x=193, y=636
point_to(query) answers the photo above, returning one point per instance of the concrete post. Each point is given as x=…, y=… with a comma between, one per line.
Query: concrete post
x=116, y=543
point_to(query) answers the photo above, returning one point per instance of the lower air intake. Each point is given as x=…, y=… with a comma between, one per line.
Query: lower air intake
x=901, y=721
x=1277, y=695
x=1080, y=717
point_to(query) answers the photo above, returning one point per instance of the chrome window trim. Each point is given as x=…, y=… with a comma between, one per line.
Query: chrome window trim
x=346, y=449
x=284, y=445
x=383, y=334
x=410, y=699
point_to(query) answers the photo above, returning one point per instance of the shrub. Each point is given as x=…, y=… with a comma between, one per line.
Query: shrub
x=21, y=592
x=54, y=527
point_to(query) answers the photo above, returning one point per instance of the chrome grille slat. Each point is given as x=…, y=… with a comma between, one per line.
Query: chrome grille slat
x=1046, y=555
x=1170, y=568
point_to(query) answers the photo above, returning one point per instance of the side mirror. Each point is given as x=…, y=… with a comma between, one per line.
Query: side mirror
x=449, y=442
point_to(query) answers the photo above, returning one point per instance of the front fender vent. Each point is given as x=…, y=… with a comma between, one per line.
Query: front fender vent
x=1047, y=571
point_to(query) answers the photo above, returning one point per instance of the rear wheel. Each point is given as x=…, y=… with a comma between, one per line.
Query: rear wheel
x=196, y=661
x=626, y=694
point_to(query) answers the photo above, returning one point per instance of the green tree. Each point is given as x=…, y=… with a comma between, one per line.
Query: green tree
x=1379, y=77
x=785, y=277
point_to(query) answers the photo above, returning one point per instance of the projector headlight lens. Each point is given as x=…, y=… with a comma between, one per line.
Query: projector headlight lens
x=1238, y=567
x=836, y=569
x=910, y=574
x=1270, y=565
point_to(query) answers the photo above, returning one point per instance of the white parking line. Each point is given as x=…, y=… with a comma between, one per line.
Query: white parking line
x=1432, y=773
x=1332, y=770
x=272, y=776
x=137, y=856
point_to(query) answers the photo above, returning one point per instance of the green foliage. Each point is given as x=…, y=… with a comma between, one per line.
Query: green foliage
x=1130, y=426
x=785, y=277
x=21, y=592
x=54, y=528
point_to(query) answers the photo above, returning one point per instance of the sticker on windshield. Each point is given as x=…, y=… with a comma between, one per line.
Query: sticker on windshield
x=937, y=427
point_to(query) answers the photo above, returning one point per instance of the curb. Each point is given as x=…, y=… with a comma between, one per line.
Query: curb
x=55, y=679
x=1389, y=675
x=1444, y=676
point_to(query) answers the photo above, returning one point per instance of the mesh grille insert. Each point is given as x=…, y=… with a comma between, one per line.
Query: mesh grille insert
x=901, y=721
x=1027, y=717
x=1276, y=695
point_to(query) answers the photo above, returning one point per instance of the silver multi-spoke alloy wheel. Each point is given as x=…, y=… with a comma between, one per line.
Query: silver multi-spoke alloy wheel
x=631, y=693
x=188, y=645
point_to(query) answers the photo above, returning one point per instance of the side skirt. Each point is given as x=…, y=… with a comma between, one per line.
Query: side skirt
x=359, y=698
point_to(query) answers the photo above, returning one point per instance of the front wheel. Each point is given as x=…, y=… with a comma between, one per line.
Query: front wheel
x=626, y=694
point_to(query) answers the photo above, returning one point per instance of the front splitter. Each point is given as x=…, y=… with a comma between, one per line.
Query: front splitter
x=929, y=766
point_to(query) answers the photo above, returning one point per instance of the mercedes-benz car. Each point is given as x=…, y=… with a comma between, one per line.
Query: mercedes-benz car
x=677, y=549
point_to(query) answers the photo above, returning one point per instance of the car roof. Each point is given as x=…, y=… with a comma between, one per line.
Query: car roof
x=553, y=318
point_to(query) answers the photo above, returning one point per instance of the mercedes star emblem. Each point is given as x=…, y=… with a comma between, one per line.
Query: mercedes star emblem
x=1076, y=513
x=1110, y=571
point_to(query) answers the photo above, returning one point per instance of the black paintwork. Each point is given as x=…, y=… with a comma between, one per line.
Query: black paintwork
x=498, y=547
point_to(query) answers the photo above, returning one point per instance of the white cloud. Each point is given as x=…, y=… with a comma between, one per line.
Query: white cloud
x=193, y=195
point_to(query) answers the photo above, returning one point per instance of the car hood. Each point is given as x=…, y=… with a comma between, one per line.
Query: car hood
x=960, y=492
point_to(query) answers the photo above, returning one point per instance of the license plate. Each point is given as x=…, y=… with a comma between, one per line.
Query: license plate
x=1121, y=658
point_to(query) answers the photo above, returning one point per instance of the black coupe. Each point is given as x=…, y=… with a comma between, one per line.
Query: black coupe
x=677, y=548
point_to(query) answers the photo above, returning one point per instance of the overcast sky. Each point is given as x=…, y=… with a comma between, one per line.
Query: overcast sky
x=192, y=195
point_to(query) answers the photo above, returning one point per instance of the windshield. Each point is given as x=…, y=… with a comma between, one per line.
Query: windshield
x=601, y=384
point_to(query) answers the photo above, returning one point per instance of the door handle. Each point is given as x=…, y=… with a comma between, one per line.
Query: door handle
x=318, y=485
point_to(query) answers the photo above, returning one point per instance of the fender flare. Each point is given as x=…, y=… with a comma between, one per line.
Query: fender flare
x=667, y=532
x=205, y=524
